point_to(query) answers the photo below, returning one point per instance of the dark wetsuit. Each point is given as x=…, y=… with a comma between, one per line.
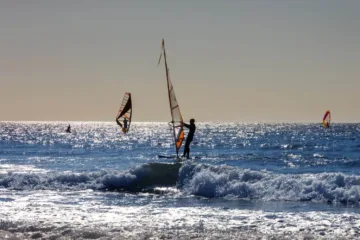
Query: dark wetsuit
x=189, y=139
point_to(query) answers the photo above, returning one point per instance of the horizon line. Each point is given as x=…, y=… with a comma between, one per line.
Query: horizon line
x=217, y=122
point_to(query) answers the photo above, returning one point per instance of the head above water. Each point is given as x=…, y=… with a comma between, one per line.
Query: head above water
x=192, y=121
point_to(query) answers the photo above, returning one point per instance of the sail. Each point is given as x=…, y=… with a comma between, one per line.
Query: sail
x=177, y=122
x=327, y=119
x=125, y=112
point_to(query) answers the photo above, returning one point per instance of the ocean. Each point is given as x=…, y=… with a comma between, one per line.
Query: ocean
x=244, y=181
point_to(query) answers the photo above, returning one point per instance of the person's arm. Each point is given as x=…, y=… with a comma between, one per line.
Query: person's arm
x=187, y=125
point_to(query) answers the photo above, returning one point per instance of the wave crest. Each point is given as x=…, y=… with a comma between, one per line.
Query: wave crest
x=137, y=179
x=225, y=181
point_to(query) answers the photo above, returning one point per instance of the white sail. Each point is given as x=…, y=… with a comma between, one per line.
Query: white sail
x=177, y=120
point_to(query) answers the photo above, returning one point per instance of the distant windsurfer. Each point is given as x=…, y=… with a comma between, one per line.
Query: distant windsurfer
x=123, y=127
x=189, y=138
x=327, y=119
x=68, y=129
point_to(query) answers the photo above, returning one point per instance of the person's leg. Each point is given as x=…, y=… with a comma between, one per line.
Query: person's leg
x=186, y=148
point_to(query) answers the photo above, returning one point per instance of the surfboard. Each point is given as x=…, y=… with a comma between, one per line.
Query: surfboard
x=176, y=157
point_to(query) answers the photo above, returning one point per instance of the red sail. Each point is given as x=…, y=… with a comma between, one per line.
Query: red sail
x=327, y=119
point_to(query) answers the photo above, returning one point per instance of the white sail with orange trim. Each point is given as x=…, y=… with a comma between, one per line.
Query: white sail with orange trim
x=177, y=120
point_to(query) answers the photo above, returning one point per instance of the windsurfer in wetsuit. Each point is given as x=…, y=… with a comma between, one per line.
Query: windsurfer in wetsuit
x=68, y=130
x=189, y=138
x=125, y=126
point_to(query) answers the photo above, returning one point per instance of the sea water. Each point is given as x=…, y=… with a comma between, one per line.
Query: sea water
x=244, y=181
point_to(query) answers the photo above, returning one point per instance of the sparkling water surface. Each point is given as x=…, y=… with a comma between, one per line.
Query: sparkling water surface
x=243, y=181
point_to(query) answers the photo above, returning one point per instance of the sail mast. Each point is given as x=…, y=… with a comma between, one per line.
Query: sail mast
x=169, y=90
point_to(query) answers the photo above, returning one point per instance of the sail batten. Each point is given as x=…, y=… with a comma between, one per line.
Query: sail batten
x=177, y=120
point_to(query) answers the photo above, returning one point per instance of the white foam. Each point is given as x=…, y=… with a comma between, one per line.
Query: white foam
x=220, y=181
x=17, y=168
x=67, y=213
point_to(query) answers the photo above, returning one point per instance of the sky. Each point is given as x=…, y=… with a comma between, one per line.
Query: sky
x=229, y=60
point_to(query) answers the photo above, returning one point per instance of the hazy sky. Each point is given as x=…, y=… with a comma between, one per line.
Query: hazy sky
x=229, y=60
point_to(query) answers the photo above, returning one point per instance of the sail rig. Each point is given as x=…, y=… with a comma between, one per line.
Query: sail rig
x=125, y=112
x=177, y=122
x=327, y=119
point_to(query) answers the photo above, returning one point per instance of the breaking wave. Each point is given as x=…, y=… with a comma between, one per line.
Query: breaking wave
x=224, y=181
x=200, y=180
x=137, y=179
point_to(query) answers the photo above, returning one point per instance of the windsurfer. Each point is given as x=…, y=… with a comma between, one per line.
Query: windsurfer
x=125, y=126
x=125, y=123
x=189, y=138
x=125, y=113
x=68, y=129
x=327, y=119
